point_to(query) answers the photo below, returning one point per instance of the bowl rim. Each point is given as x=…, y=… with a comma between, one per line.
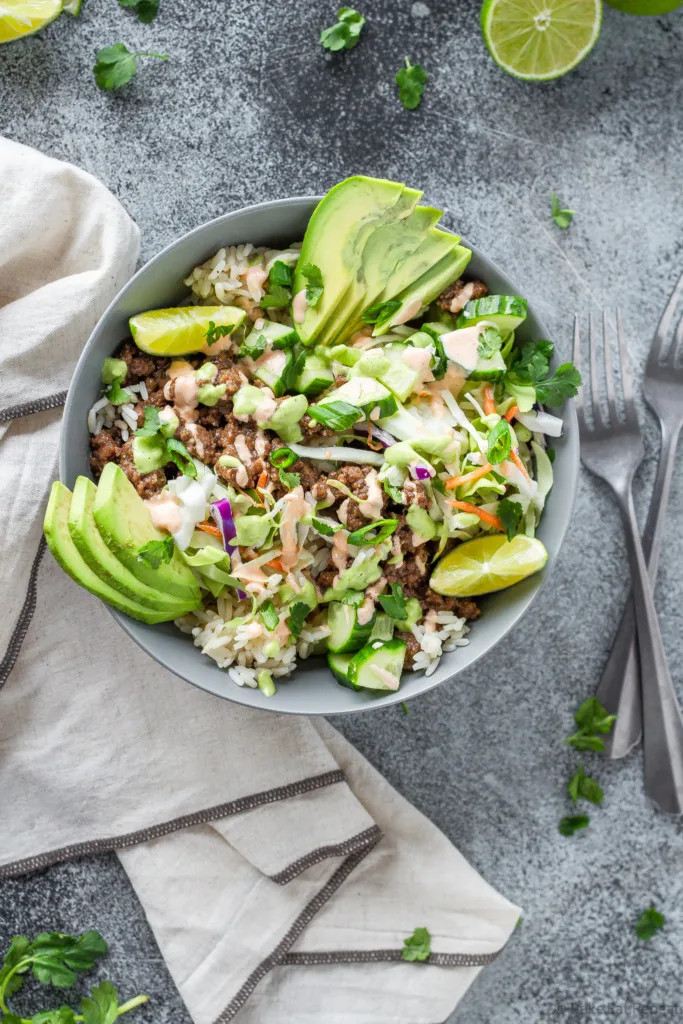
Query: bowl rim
x=428, y=683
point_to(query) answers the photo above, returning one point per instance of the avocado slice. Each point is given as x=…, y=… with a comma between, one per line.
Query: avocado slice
x=427, y=287
x=105, y=564
x=56, y=529
x=334, y=241
x=125, y=525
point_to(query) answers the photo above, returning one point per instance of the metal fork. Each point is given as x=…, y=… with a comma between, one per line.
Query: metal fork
x=619, y=687
x=612, y=449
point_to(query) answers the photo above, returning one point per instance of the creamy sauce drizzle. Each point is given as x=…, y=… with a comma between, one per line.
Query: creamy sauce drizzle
x=340, y=550
x=299, y=306
x=164, y=509
x=296, y=508
x=242, y=450
x=384, y=676
x=185, y=390
x=371, y=508
x=367, y=609
x=461, y=346
x=411, y=310
x=255, y=278
x=418, y=360
x=461, y=300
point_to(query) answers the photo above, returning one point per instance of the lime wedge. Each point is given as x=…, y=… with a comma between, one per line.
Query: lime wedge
x=645, y=6
x=540, y=39
x=24, y=17
x=486, y=564
x=177, y=332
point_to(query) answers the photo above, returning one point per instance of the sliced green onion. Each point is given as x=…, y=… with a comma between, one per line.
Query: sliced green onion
x=178, y=453
x=265, y=683
x=269, y=616
x=335, y=415
x=353, y=597
x=283, y=458
x=384, y=528
x=325, y=526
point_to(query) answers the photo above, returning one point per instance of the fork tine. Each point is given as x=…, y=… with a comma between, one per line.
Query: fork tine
x=576, y=357
x=597, y=412
x=664, y=325
x=609, y=373
x=626, y=382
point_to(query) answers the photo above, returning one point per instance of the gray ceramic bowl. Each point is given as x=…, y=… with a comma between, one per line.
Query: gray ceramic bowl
x=312, y=689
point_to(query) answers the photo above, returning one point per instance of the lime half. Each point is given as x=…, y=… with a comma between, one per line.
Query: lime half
x=24, y=17
x=540, y=39
x=185, y=329
x=486, y=564
x=645, y=6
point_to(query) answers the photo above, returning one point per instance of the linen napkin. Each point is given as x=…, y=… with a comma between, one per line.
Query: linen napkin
x=231, y=823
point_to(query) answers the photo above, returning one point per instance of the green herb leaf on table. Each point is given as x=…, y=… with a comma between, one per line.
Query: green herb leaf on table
x=591, y=718
x=102, y=1007
x=417, y=946
x=649, y=923
x=178, y=453
x=380, y=312
x=156, y=552
x=118, y=395
x=314, y=283
x=562, y=218
x=213, y=332
x=345, y=34
x=116, y=65
x=297, y=617
x=499, y=442
x=146, y=10
x=394, y=604
x=151, y=424
x=411, y=83
x=583, y=787
x=568, y=826
x=280, y=274
x=254, y=347
x=19, y=950
x=490, y=341
x=404, y=708
x=510, y=514
x=289, y=480
x=64, y=1015
x=277, y=298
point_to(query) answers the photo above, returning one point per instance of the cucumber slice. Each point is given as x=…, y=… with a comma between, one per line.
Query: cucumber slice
x=315, y=377
x=364, y=393
x=383, y=628
x=505, y=311
x=272, y=369
x=345, y=632
x=339, y=664
x=489, y=369
x=277, y=335
x=378, y=666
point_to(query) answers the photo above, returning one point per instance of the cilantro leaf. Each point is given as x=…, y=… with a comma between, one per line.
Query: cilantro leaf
x=118, y=395
x=269, y=616
x=582, y=786
x=297, y=616
x=289, y=480
x=64, y=1015
x=178, y=453
x=280, y=274
x=499, y=441
x=568, y=826
x=394, y=492
x=353, y=597
x=411, y=82
x=102, y=1007
x=417, y=946
x=490, y=341
x=404, y=708
x=562, y=218
x=394, y=604
x=20, y=949
x=510, y=514
x=380, y=312
x=214, y=333
x=649, y=923
x=152, y=423
x=254, y=346
x=146, y=10
x=345, y=34
x=564, y=383
x=314, y=283
x=156, y=552
x=276, y=298
x=591, y=718
x=534, y=362
x=116, y=65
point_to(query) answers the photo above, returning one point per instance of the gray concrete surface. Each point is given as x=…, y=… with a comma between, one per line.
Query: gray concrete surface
x=249, y=108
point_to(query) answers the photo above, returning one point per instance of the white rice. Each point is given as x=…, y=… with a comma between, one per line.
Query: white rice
x=223, y=278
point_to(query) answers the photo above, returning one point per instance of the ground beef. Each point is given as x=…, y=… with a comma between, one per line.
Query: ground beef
x=200, y=442
x=415, y=494
x=105, y=447
x=353, y=477
x=327, y=578
x=224, y=440
x=412, y=648
x=146, y=484
x=139, y=365
x=462, y=607
x=450, y=299
x=412, y=574
x=233, y=378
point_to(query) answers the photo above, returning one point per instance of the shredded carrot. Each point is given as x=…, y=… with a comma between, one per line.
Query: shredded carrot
x=489, y=404
x=511, y=413
x=485, y=517
x=208, y=527
x=375, y=445
x=468, y=478
x=262, y=480
x=424, y=394
x=275, y=563
x=514, y=457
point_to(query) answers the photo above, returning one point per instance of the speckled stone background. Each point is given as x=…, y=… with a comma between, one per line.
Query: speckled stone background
x=247, y=108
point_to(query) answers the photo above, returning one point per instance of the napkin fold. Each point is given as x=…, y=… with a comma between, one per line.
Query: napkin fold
x=279, y=871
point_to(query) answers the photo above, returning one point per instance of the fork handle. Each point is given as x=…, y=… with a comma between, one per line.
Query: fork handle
x=662, y=722
x=619, y=686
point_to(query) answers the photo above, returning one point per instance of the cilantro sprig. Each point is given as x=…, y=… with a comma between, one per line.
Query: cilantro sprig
x=156, y=552
x=562, y=218
x=394, y=603
x=417, y=946
x=510, y=514
x=649, y=923
x=583, y=787
x=146, y=10
x=499, y=442
x=533, y=368
x=56, y=959
x=276, y=298
x=345, y=34
x=573, y=823
x=151, y=424
x=314, y=283
x=297, y=617
x=214, y=332
x=116, y=65
x=591, y=719
x=490, y=342
x=381, y=311
x=411, y=81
